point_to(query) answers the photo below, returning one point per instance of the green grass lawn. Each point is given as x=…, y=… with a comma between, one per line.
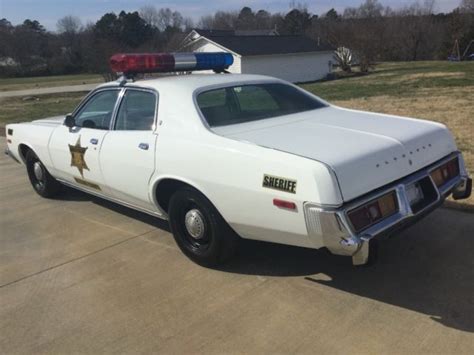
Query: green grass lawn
x=11, y=84
x=14, y=109
x=398, y=80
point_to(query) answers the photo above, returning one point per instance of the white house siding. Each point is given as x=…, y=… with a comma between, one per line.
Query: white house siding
x=206, y=47
x=296, y=68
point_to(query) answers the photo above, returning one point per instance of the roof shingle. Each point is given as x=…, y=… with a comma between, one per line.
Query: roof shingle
x=266, y=45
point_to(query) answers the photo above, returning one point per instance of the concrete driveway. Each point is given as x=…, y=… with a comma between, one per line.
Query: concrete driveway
x=78, y=274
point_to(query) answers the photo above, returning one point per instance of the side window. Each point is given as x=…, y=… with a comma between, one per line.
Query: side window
x=136, y=112
x=97, y=112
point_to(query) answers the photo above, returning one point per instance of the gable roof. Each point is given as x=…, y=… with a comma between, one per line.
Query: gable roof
x=207, y=33
x=266, y=45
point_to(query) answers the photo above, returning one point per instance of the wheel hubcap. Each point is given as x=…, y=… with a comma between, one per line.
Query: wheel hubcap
x=194, y=222
x=38, y=170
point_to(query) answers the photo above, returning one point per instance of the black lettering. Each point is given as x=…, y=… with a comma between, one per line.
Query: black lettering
x=272, y=182
x=292, y=187
x=280, y=184
x=265, y=181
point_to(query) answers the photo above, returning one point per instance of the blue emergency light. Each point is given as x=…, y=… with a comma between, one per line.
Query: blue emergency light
x=134, y=63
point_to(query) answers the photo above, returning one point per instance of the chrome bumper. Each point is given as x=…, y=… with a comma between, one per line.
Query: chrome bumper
x=335, y=229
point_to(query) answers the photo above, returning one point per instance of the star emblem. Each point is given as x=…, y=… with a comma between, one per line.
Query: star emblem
x=77, y=156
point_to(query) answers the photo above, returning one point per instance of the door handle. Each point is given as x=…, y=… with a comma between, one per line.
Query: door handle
x=94, y=141
x=143, y=146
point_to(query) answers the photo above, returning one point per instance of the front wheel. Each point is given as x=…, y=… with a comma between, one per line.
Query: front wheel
x=199, y=230
x=41, y=180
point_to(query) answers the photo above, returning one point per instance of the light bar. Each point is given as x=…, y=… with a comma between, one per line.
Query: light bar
x=135, y=63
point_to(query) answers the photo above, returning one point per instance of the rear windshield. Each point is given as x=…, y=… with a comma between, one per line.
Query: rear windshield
x=245, y=103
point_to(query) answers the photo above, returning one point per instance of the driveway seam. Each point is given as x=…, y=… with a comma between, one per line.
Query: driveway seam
x=73, y=260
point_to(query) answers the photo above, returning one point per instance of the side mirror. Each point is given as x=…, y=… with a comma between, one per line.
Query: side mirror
x=69, y=121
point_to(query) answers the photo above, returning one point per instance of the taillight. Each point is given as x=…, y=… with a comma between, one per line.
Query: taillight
x=445, y=172
x=374, y=211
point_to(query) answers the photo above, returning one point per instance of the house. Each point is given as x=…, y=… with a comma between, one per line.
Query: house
x=292, y=58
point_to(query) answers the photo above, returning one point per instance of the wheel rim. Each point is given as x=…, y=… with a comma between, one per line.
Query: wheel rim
x=195, y=224
x=194, y=228
x=38, y=170
x=39, y=175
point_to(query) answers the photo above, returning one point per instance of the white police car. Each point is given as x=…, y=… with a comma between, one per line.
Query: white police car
x=228, y=156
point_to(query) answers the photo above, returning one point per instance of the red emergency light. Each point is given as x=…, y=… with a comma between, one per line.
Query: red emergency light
x=135, y=63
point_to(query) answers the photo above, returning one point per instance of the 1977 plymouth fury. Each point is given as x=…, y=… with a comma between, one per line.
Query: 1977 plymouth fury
x=224, y=157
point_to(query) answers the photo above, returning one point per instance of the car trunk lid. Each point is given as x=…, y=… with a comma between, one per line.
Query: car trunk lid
x=365, y=150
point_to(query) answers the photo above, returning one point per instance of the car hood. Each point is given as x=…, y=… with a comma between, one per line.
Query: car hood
x=365, y=150
x=55, y=120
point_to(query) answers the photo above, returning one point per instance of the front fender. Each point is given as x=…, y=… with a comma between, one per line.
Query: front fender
x=34, y=137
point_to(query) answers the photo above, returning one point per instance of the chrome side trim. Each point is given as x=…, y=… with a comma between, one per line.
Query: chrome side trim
x=114, y=200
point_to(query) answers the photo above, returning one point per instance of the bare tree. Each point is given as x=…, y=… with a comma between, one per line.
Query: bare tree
x=343, y=57
x=206, y=22
x=69, y=24
x=417, y=26
x=300, y=6
x=467, y=6
x=150, y=14
x=177, y=20
x=188, y=24
x=165, y=18
x=222, y=20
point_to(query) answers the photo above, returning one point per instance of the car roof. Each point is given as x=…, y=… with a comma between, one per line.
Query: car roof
x=193, y=82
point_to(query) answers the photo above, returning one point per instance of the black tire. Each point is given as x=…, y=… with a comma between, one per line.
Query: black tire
x=45, y=185
x=214, y=242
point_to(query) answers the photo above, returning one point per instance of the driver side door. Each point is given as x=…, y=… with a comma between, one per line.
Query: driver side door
x=75, y=151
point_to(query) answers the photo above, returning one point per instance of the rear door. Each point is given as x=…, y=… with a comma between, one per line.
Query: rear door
x=127, y=156
x=75, y=151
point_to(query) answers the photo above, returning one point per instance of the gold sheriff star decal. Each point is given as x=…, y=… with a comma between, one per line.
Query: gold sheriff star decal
x=77, y=156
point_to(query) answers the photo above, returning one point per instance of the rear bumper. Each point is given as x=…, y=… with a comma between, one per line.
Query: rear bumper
x=335, y=229
x=463, y=190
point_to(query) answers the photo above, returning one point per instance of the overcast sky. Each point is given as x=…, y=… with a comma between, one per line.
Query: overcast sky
x=47, y=12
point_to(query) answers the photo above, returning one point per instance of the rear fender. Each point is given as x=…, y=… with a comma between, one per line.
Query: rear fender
x=156, y=180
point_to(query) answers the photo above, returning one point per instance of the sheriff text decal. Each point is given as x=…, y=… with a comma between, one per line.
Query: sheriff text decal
x=279, y=183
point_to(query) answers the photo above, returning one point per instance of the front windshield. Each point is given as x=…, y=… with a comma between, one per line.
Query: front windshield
x=246, y=103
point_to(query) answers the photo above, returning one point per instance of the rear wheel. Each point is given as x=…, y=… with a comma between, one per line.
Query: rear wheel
x=199, y=230
x=41, y=180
